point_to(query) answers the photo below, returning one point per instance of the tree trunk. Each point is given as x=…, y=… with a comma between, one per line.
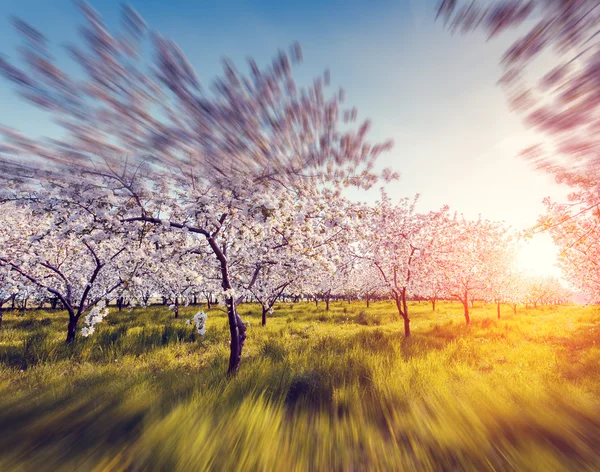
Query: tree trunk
x=433, y=304
x=316, y=302
x=54, y=302
x=498, y=309
x=327, y=297
x=71, y=328
x=403, y=314
x=264, y=315
x=176, y=307
x=208, y=302
x=465, y=302
x=120, y=303
x=237, y=329
x=515, y=308
x=368, y=299
x=1, y=311
x=406, y=326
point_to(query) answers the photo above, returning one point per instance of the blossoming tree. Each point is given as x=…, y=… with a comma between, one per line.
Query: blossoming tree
x=76, y=256
x=402, y=244
x=204, y=161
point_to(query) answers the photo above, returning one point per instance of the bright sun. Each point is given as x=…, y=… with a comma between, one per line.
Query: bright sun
x=539, y=256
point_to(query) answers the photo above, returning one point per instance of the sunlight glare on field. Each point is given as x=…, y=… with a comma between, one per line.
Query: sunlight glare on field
x=539, y=256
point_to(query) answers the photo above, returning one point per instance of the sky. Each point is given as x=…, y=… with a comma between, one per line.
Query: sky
x=433, y=93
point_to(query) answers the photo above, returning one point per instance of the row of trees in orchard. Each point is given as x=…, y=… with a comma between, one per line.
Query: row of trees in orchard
x=159, y=185
x=72, y=251
x=561, y=103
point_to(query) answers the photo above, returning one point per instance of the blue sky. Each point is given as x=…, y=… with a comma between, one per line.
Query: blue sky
x=433, y=93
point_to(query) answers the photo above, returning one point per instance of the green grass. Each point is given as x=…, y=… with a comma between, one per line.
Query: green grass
x=338, y=390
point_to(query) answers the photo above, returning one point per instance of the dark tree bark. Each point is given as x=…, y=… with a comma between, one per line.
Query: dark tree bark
x=72, y=327
x=54, y=302
x=176, y=307
x=264, y=315
x=433, y=304
x=237, y=329
x=368, y=299
x=327, y=298
x=465, y=302
x=400, y=304
x=25, y=305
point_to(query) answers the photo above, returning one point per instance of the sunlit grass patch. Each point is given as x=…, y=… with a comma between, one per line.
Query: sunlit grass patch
x=317, y=389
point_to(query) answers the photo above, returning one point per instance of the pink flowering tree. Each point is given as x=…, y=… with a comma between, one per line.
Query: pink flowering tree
x=478, y=254
x=545, y=290
x=402, y=244
x=574, y=229
x=562, y=104
x=502, y=273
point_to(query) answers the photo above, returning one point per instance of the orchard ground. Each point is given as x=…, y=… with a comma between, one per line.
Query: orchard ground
x=337, y=390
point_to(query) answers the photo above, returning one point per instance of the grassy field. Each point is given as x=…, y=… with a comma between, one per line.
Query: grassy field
x=341, y=390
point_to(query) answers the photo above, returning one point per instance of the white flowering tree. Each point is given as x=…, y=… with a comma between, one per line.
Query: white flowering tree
x=365, y=280
x=173, y=275
x=208, y=162
x=74, y=255
x=9, y=288
x=271, y=285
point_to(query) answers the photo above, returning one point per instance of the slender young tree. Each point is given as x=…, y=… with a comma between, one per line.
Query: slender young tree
x=402, y=245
